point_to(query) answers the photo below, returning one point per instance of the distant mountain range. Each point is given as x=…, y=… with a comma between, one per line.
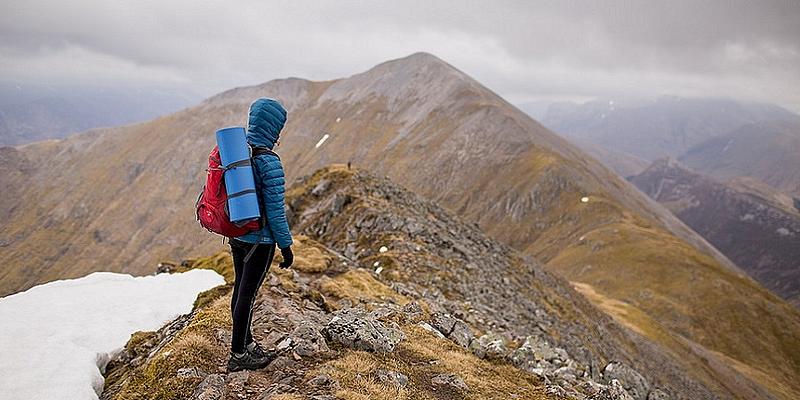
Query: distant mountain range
x=768, y=151
x=666, y=127
x=33, y=114
x=128, y=203
x=754, y=226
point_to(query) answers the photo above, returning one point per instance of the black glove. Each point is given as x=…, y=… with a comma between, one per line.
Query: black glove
x=288, y=258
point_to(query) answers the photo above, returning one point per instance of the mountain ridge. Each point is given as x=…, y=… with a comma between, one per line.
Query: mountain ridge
x=450, y=140
x=761, y=234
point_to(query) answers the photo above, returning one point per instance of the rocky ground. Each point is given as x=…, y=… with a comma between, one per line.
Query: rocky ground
x=393, y=298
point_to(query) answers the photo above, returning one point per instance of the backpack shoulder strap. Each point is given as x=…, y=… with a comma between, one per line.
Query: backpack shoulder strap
x=257, y=151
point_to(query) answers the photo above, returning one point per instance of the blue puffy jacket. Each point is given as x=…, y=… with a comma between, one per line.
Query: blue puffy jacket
x=267, y=117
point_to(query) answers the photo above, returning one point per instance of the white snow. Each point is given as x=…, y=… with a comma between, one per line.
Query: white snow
x=57, y=337
x=321, y=141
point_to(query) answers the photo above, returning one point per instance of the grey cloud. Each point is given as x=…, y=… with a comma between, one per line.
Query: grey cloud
x=522, y=49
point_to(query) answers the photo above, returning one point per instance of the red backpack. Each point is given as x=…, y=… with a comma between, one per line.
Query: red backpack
x=212, y=203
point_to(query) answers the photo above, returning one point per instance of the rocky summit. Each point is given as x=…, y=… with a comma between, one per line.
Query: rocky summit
x=393, y=297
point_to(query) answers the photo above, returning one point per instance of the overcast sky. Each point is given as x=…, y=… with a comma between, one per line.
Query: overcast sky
x=524, y=50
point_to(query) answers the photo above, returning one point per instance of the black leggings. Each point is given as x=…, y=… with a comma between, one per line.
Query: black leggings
x=249, y=278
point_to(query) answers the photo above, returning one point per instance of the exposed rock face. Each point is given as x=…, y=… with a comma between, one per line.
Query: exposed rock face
x=614, y=391
x=434, y=253
x=633, y=382
x=452, y=328
x=757, y=229
x=308, y=341
x=357, y=329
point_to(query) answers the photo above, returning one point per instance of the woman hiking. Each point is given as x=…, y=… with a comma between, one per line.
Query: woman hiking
x=266, y=119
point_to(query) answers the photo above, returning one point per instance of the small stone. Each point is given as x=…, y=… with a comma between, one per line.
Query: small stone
x=284, y=344
x=413, y=311
x=657, y=394
x=394, y=378
x=431, y=329
x=274, y=390
x=211, y=388
x=237, y=380
x=450, y=381
x=191, y=372
x=321, y=380
x=321, y=187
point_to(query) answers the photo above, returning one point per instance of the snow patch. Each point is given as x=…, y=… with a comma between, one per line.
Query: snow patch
x=321, y=141
x=58, y=337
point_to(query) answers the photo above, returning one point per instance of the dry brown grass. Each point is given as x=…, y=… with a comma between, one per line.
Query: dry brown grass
x=195, y=346
x=359, y=284
x=311, y=258
x=420, y=357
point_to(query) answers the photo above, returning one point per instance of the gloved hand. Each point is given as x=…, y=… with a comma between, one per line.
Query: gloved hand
x=288, y=258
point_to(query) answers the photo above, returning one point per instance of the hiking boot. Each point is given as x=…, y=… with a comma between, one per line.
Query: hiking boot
x=247, y=360
x=261, y=352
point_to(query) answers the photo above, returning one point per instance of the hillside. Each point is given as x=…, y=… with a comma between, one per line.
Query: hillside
x=438, y=132
x=758, y=233
x=666, y=127
x=436, y=276
x=768, y=152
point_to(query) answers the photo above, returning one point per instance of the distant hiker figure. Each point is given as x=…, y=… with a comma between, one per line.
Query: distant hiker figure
x=266, y=119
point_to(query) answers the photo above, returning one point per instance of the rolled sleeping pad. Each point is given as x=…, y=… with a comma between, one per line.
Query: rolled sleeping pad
x=234, y=154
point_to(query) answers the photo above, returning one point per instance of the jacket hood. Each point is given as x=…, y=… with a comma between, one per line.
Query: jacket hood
x=266, y=119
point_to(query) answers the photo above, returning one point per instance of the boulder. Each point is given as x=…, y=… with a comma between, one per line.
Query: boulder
x=391, y=378
x=452, y=328
x=612, y=391
x=308, y=341
x=356, y=329
x=632, y=381
x=489, y=346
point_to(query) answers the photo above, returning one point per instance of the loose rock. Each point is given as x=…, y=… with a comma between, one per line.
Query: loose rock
x=308, y=341
x=211, y=388
x=614, y=391
x=633, y=382
x=450, y=381
x=391, y=378
x=453, y=328
x=356, y=329
x=489, y=346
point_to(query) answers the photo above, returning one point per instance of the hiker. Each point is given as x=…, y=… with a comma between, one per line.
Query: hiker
x=266, y=119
